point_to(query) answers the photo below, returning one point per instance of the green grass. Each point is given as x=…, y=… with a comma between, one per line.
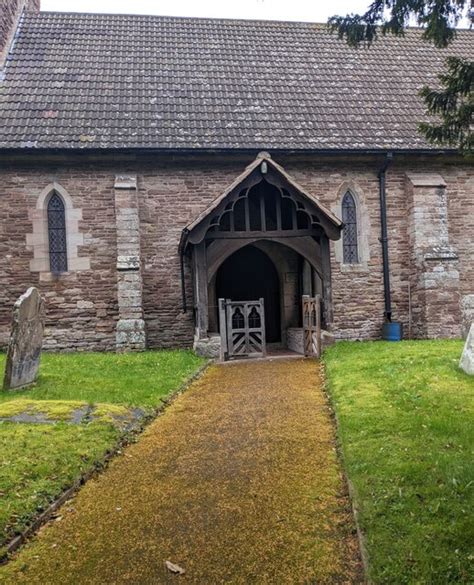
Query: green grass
x=406, y=415
x=39, y=461
x=138, y=379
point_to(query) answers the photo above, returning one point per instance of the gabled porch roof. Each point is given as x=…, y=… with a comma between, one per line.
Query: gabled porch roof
x=263, y=167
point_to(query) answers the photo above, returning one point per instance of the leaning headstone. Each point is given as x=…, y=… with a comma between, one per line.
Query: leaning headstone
x=467, y=357
x=24, y=348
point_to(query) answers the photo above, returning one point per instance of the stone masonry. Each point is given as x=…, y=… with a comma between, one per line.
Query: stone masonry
x=136, y=280
x=434, y=276
x=130, y=326
x=10, y=13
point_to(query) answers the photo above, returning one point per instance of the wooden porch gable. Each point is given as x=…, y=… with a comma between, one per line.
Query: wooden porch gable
x=264, y=201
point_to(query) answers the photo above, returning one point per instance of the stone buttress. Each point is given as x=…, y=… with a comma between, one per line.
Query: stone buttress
x=434, y=281
x=130, y=332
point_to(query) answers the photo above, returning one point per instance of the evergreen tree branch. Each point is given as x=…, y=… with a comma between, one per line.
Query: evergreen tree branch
x=437, y=17
x=453, y=104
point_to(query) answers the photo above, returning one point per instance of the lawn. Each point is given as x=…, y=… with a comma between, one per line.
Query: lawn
x=134, y=379
x=39, y=461
x=406, y=429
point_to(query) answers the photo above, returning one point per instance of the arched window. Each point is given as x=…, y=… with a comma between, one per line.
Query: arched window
x=349, y=235
x=57, y=234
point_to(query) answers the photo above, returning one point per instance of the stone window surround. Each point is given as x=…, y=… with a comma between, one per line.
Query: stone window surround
x=363, y=228
x=38, y=241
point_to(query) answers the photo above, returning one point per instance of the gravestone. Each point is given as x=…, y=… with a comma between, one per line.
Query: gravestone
x=24, y=348
x=467, y=358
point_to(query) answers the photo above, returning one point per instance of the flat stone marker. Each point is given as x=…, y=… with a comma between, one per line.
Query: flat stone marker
x=24, y=348
x=467, y=358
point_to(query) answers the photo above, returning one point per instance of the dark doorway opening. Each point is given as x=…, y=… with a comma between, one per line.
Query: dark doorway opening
x=248, y=275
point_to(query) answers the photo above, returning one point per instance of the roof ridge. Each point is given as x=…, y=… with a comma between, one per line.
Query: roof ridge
x=181, y=17
x=211, y=19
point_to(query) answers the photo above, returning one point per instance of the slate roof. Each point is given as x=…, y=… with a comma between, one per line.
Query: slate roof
x=121, y=81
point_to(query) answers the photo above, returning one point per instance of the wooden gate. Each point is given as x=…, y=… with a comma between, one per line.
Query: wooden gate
x=242, y=327
x=312, y=325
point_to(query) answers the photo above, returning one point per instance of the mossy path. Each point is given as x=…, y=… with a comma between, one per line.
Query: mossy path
x=238, y=482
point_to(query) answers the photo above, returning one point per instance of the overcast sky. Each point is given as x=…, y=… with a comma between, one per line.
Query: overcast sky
x=300, y=10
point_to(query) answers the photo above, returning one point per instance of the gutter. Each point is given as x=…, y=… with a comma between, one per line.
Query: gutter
x=94, y=150
x=384, y=237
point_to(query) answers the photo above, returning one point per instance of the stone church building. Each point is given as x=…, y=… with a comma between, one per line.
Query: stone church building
x=150, y=166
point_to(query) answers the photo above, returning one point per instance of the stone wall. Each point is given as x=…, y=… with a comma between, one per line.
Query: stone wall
x=81, y=305
x=460, y=189
x=171, y=191
x=295, y=339
x=10, y=13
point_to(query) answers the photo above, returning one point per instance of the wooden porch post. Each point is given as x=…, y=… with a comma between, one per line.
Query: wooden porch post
x=326, y=270
x=201, y=302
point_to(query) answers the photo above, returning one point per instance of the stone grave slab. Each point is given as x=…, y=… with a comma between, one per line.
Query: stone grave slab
x=24, y=348
x=467, y=358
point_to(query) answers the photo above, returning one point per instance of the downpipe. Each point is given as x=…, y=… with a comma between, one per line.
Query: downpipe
x=384, y=238
x=183, y=283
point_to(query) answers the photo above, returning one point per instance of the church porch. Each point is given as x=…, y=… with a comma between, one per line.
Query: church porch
x=256, y=252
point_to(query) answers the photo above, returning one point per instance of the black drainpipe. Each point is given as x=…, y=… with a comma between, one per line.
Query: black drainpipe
x=181, y=265
x=183, y=287
x=384, y=238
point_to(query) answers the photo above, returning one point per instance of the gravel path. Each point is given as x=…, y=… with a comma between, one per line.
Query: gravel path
x=238, y=482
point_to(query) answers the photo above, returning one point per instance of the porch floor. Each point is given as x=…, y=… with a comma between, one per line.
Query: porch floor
x=277, y=350
x=274, y=351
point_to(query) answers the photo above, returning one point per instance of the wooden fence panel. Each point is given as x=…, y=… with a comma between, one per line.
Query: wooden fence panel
x=312, y=325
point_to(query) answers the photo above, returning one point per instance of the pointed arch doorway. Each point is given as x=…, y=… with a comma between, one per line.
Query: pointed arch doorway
x=250, y=274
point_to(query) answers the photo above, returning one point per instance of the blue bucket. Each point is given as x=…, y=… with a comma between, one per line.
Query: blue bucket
x=392, y=331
